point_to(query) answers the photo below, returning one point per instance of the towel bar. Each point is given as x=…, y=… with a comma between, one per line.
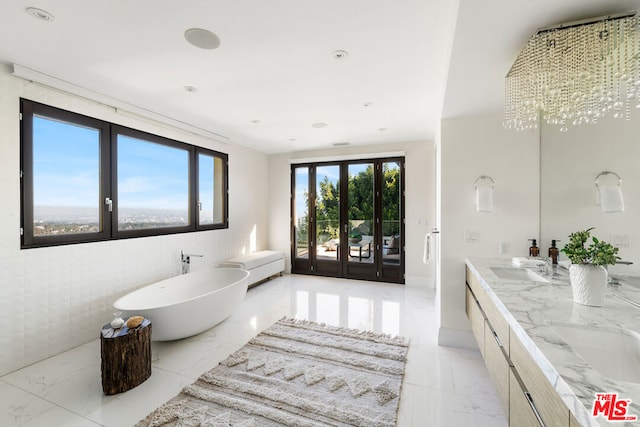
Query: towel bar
x=482, y=178
x=607, y=173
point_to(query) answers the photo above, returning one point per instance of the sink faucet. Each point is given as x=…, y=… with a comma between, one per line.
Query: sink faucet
x=544, y=267
x=186, y=261
x=615, y=281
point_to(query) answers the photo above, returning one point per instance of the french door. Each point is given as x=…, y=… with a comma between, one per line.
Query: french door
x=347, y=219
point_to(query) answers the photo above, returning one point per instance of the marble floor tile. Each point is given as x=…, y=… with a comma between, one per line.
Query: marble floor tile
x=57, y=416
x=42, y=376
x=427, y=406
x=128, y=408
x=70, y=380
x=427, y=366
x=442, y=386
x=190, y=360
x=18, y=407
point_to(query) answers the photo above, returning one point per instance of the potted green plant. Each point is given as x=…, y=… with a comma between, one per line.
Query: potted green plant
x=588, y=273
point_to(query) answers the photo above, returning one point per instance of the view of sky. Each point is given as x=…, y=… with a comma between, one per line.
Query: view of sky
x=150, y=175
x=60, y=179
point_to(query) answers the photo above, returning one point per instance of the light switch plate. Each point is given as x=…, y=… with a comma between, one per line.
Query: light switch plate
x=620, y=240
x=470, y=236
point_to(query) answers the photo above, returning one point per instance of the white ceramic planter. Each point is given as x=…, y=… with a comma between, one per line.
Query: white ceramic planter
x=588, y=283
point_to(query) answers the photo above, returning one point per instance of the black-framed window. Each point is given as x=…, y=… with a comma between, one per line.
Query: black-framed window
x=85, y=179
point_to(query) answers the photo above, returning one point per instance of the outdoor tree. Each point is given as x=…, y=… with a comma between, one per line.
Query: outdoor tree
x=360, y=202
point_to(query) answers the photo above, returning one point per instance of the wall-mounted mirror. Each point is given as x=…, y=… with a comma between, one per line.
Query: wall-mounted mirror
x=570, y=162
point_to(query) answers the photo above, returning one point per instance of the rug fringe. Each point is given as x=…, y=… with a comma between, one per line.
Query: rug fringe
x=369, y=335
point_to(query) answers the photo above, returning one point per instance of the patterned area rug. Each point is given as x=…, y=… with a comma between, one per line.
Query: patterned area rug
x=296, y=373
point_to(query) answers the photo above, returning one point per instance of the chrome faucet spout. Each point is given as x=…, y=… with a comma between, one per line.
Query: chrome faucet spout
x=613, y=280
x=186, y=261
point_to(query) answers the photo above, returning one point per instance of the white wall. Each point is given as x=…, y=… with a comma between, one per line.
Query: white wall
x=53, y=299
x=470, y=147
x=419, y=199
x=570, y=162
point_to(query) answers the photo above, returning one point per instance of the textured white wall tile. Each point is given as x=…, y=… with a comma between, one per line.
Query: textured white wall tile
x=53, y=299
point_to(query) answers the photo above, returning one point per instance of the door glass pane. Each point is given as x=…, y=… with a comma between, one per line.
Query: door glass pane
x=66, y=178
x=327, y=212
x=360, y=213
x=301, y=212
x=153, y=185
x=391, y=215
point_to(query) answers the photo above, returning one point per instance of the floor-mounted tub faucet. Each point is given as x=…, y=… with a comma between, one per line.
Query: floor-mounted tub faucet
x=186, y=261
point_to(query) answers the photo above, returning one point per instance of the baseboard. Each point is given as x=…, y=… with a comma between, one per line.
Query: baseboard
x=457, y=338
x=420, y=281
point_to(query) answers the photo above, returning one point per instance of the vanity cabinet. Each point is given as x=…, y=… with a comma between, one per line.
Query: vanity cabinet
x=476, y=317
x=550, y=406
x=496, y=320
x=526, y=394
x=521, y=412
x=572, y=421
x=497, y=364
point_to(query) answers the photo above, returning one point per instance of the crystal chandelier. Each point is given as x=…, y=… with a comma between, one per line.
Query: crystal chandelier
x=576, y=73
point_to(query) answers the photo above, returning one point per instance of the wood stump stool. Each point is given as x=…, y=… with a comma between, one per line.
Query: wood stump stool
x=126, y=357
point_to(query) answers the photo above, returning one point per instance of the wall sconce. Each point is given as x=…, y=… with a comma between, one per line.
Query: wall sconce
x=484, y=186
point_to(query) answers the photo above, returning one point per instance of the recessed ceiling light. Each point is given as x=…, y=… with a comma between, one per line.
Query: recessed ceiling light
x=255, y=121
x=367, y=104
x=292, y=139
x=204, y=39
x=340, y=54
x=382, y=129
x=41, y=14
x=190, y=88
x=319, y=125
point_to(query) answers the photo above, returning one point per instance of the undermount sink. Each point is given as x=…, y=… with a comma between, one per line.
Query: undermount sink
x=632, y=281
x=614, y=352
x=512, y=273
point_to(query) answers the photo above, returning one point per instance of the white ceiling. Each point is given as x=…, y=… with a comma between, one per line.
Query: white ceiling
x=275, y=62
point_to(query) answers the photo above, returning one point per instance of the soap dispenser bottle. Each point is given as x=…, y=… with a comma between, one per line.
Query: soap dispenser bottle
x=533, y=249
x=554, y=252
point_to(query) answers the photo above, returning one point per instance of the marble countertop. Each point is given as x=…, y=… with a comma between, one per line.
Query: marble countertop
x=533, y=308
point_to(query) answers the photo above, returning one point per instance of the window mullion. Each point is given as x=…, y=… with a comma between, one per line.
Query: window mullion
x=107, y=175
x=26, y=167
x=194, y=213
x=71, y=164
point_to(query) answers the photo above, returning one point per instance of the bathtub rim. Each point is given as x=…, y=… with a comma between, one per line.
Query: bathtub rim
x=246, y=277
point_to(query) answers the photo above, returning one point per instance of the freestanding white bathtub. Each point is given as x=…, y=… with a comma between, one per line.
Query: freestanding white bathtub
x=186, y=305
